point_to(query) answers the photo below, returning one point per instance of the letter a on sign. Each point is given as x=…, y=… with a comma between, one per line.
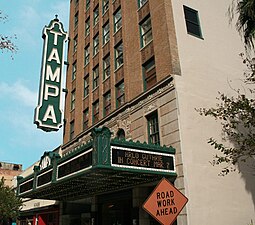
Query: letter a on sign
x=48, y=113
x=165, y=202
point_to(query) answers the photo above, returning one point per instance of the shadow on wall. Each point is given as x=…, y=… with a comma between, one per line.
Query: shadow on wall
x=247, y=171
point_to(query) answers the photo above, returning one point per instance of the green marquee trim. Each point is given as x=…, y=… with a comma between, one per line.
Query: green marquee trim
x=108, y=164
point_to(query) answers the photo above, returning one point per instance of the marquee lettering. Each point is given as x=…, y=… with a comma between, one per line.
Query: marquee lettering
x=141, y=159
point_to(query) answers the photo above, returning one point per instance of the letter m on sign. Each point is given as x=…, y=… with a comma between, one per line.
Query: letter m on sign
x=48, y=113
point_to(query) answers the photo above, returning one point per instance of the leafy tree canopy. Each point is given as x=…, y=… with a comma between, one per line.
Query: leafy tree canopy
x=9, y=202
x=237, y=117
x=6, y=42
x=245, y=11
x=237, y=113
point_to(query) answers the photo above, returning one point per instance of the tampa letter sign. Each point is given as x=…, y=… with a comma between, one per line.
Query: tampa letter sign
x=48, y=113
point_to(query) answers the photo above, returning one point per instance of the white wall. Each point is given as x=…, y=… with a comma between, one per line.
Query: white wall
x=207, y=66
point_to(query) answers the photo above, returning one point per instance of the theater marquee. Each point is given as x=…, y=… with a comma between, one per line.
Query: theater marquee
x=140, y=159
x=48, y=113
x=102, y=165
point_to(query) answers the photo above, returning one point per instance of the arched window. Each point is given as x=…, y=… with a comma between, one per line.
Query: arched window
x=121, y=134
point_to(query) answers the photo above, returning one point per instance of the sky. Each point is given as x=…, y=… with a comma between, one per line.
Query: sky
x=21, y=141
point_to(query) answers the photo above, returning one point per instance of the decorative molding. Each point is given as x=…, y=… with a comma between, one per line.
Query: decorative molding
x=149, y=108
x=146, y=100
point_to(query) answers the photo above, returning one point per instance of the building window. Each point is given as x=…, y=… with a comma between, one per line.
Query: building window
x=141, y=3
x=76, y=20
x=96, y=112
x=75, y=42
x=73, y=100
x=87, y=27
x=71, y=130
x=74, y=70
x=87, y=4
x=192, y=22
x=149, y=73
x=86, y=86
x=118, y=55
x=146, y=32
x=121, y=134
x=153, y=128
x=106, y=67
x=86, y=55
x=120, y=94
x=117, y=20
x=95, y=45
x=85, y=119
x=76, y=2
x=106, y=33
x=96, y=15
x=107, y=103
x=105, y=5
x=15, y=167
x=95, y=77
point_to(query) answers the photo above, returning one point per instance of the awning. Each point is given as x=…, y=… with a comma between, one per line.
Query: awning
x=100, y=166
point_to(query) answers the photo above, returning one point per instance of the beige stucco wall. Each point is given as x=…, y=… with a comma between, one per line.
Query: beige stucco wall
x=207, y=66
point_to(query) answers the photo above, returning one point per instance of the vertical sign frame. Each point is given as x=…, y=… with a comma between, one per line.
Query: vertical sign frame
x=49, y=113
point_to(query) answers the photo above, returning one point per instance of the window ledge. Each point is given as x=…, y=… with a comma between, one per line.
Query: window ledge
x=105, y=12
x=194, y=35
x=85, y=97
x=146, y=45
x=94, y=89
x=117, y=31
x=105, y=43
x=118, y=68
x=95, y=55
x=105, y=79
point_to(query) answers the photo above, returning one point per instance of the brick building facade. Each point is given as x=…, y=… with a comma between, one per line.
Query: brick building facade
x=9, y=171
x=140, y=68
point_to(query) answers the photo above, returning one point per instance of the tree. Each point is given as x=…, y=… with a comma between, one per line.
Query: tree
x=6, y=42
x=245, y=10
x=9, y=203
x=237, y=113
x=237, y=117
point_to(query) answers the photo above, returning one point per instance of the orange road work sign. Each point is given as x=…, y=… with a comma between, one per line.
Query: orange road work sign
x=165, y=202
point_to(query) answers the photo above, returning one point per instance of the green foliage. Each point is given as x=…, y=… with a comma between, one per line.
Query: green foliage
x=246, y=20
x=244, y=9
x=6, y=42
x=237, y=118
x=9, y=202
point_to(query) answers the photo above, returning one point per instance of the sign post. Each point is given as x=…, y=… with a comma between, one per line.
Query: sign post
x=48, y=113
x=165, y=203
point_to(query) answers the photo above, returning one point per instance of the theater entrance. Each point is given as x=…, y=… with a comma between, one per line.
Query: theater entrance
x=116, y=209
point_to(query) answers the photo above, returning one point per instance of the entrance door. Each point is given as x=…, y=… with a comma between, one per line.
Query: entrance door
x=116, y=209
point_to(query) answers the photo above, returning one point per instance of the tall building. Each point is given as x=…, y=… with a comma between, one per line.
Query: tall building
x=137, y=71
x=9, y=171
